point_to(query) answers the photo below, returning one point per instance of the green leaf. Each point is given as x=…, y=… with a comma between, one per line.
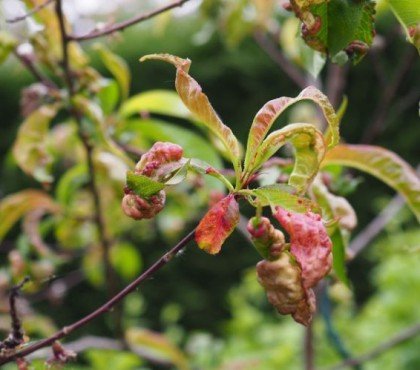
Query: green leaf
x=309, y=148
x=179, y=175
x=269, y=113
x=197, y=102
x=383, y=164
x=70, y=182
x=283, y=196
x=334, y=25
x=163, y=102
x=339, y=256
x=7, y=43
x=126, y=260
x=30, y=150
x=408, y=13
x=108, y=95
x=15, y=206
x=155, y=347
x=118, y=67
x=142, y=185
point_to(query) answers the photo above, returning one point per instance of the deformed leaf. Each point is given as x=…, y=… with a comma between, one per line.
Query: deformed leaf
x=309, y=147
x=155, y=347
x=118, y=67
x=30, y=149
x=217, y=224
x=383, y=164
x=268, y=114
x=274, y=196
x=197, y=102
x=16, y=205
x=309, y=244
x=142, y=185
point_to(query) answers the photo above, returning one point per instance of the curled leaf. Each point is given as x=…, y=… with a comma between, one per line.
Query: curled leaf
x=268, y=114
x=197, y=102
x=309, y=147
x=383, y=164
x=217, y=224
x=309, y=244
x=281, y=279
x=30, y=149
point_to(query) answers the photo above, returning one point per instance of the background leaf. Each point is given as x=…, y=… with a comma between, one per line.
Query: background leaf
x=383, y=164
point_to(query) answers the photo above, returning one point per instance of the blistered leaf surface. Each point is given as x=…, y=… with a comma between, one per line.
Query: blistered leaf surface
x=218, y=223
x=309, y=244
x=383, y=164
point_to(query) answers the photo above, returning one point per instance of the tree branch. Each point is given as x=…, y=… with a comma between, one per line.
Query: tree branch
x=31, y=12
x=129, y=22
x=399, y=338
x=161, y=262
x=308, y=348
x=275, y=54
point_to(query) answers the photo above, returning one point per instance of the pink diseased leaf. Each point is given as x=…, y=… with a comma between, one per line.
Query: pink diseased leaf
x=217, y=225
x=268, y=114
x=310, y=244
x=383, y=164
x=197, y=102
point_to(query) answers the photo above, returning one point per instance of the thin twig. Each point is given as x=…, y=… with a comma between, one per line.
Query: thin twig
x=308, y=348
x=399, y=338
x=30, y=66
x=16, y=336
x=161, y=262
x=129, y=22
x=267, y=44
x=336, y=83
x=31, y=12
x=111, y=278
x=381, y=112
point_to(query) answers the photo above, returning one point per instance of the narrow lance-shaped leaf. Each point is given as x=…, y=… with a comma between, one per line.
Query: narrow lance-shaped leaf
x=268, y=114
x=197, y=102
x=217, y=224
x=383, y=164
x=309, y=148
x=30, y=150
x=14, y=206
x=142, y=185
x=118, y=67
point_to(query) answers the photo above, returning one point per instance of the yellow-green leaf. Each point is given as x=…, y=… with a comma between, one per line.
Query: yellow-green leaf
x=309, y=147
x=269, y=113
x=16, y=205
x=118, y=67
x=154, y=346
x=383, y=164
x=30, y=149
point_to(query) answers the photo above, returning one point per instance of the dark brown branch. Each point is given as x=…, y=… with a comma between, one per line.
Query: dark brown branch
x=111, y=278
x=16, y=336
x=129, y=22
x=381, y=112
x=31, y=12
x=30, y=66
x=399, y=338
x=161, y=262
x=308, y=348
x=268, y=45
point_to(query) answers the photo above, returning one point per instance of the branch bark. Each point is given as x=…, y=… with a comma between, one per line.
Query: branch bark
x=122, y=25
x=66, y=330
